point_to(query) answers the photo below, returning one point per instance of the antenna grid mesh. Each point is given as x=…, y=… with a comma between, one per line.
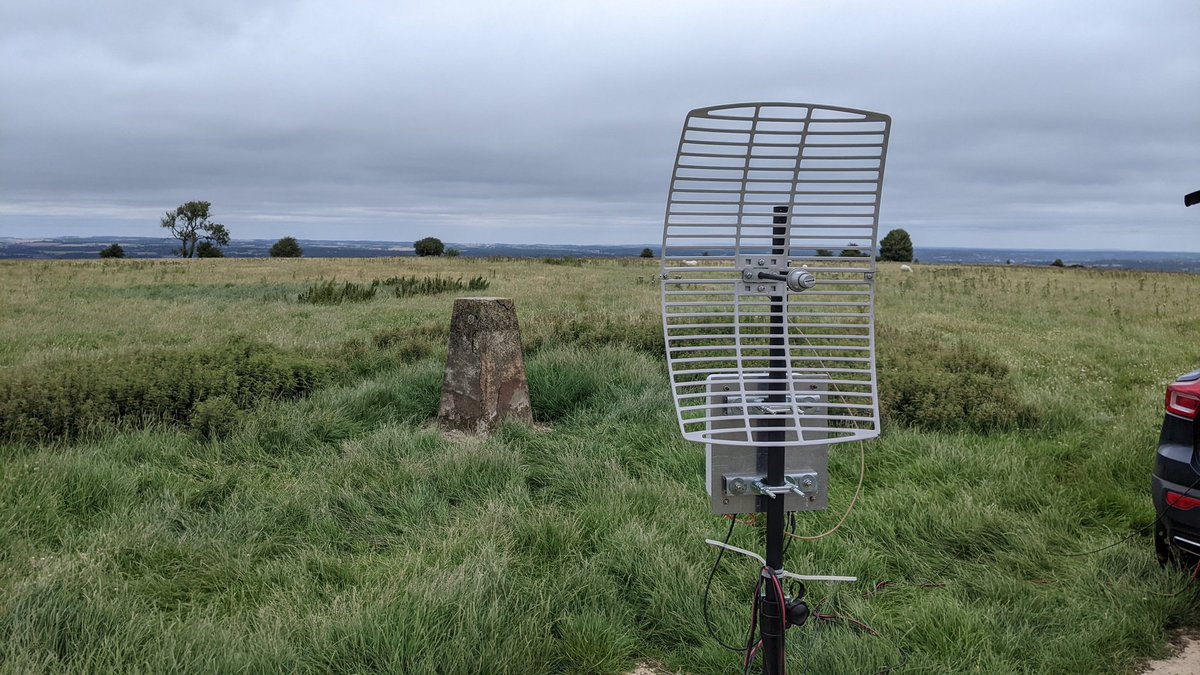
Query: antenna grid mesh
x=770, y=187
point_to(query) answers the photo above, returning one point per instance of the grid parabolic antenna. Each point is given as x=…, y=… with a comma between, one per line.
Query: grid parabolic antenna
x=768, y=266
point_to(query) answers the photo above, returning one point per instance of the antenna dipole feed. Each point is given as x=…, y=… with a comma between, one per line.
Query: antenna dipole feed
x=800, y=280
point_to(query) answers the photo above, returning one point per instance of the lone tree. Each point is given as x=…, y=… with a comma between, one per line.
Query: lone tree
x=853, y=252
x=190, y=224
x=429, y=246
x=286, y=248
x=896, y=246
x=114, y=251
x=647, y=253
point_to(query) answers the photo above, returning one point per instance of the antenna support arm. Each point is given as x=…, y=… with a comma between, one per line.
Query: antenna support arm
x=797, y=280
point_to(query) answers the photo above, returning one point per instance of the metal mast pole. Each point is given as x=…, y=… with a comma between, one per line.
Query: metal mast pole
x=771, y=611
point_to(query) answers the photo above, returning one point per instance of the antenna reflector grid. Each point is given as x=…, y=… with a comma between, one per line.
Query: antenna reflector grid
x=757, y=351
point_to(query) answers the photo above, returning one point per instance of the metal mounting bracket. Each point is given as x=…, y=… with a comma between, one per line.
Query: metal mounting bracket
x=752, y=265
x=799, y=484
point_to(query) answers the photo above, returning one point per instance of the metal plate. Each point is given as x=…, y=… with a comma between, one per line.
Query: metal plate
x=773, y=187
x=735, y=460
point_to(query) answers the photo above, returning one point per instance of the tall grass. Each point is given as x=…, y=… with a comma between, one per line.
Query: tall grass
x=330, y=293
x=341, y=532
x=404, y=287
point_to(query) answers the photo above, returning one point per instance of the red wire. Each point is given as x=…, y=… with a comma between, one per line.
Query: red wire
x=782, y=620
x=751, y=521
x=753, y=625
x=750, y=655
x=1195, y=571
x=767, y=572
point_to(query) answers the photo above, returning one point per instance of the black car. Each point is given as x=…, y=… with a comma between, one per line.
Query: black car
x=1176, y=481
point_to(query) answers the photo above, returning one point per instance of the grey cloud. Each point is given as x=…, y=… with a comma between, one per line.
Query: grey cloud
x=532, y=122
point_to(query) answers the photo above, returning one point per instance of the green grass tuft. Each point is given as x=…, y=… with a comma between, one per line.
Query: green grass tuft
x=405, y=287
x=330, y=293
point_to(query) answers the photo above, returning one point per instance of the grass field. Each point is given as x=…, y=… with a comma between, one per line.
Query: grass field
x=257, y=486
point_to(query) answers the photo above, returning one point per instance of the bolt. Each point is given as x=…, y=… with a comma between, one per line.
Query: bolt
x=807, y=483
x=761, y=288
x=725, y=501
x=762, y=261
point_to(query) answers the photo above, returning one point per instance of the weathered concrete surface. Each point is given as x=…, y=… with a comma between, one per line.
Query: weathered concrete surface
x=484, y=381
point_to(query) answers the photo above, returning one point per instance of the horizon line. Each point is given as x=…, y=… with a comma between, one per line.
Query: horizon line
x=588, y=245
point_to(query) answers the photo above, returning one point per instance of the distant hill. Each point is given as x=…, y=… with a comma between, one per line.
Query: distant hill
x=79, y=248
x=86, y=248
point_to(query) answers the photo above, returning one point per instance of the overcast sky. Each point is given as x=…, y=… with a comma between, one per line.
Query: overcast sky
x=1027, y=124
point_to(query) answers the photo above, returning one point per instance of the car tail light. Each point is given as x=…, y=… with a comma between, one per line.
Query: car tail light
x=1183, y=399
x=1181, y=502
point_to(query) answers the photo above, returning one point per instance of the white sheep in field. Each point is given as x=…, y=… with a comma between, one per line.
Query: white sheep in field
x=690, y=263
x=905, y=268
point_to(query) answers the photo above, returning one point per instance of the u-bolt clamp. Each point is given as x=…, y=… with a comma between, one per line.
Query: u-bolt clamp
x=772, y=491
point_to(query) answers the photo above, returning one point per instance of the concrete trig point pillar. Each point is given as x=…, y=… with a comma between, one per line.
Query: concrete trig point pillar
x=484, y=381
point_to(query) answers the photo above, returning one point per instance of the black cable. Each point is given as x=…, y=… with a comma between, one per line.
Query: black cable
x=1137, y=531
x=708, y=586
x=896, y=667
x=792, y=528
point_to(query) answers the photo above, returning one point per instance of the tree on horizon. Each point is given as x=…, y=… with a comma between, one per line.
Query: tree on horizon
x=896, y=246
x=286, y=247
x=429, y=246
x=190, y=224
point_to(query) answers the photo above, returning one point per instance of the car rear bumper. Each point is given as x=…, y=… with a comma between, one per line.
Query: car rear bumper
x=1174, y=471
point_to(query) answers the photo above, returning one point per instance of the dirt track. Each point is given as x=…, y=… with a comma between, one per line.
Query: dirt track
x=1186, y=662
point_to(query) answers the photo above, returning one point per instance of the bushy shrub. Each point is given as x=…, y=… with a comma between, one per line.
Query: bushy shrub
x=286, y=247
x=429, y=246
x=330, y=293
x=72, y=397
x=214, y=418
x=926, y=384
x=207, y=249
x=407, y=348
